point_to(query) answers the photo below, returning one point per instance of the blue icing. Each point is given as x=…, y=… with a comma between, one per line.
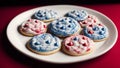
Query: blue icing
x=45, y=14
x=45, y=42
x=100, y=32
x=65, y=28
x=78, y=15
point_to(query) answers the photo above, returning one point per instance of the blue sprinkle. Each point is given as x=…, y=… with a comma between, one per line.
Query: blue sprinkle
x=78, y=15
x=57, y=23
x=75, y=39
x=47, y=42
x=62, y=27
x=36, y=43
x=62, y=20
x=55, y=44
x=70, y=21
x=46, y=18
x=101, y=32
x=65, y=18
x=69, y=26
x=95, y=28
x=103, y=29
x=44, y=12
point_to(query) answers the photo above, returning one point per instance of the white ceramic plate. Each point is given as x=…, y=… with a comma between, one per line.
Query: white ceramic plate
x=19, y=41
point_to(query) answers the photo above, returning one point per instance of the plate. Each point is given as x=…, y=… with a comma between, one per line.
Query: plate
x=19, y=41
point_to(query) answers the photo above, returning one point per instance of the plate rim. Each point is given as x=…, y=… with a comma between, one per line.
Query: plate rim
x=101, y=53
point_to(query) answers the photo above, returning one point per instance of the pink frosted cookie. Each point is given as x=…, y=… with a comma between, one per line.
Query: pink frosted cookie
x=32, y=27
x=77, y=45
x=91, y=19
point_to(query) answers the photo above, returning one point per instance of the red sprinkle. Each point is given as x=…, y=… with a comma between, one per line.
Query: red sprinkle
x=44, y=26
x=88, y=16
x=84, y=44
x=83, y=38
x=70, y=44
x=91, y=32
x=88, y=49
x=94, y=21
x=28, y=20
x=100, y=24
x=84, y=22
x=37, y=31
x=26, y=25
x=91, y=25
x=36, y=21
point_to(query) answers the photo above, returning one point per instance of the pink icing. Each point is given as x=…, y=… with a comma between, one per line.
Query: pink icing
x=90, y=20
x=33, y=26
x=80, y=45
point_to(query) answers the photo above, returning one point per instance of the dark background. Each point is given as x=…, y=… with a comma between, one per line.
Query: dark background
x=52, y=2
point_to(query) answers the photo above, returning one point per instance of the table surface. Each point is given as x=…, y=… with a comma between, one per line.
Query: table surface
x=11, y=58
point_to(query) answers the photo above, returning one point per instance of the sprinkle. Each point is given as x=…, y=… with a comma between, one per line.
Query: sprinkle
x=91, y=32
x=84, y=22
x=36, y=21
x=37, y=31
x=75, y=39
x=44, y=26
x=26, y=25
x=88, y=49
x=55, y=44
x=37, y=43
x=84, y=44
x=62, y=27
x=88, y=16
x=101, y=32
x=29, y=20
x=91, y=25
x=94, y=21
x=47, y=42
x=95, y=28
x=70, y=21
x=83, y=38
x=100, y=24
x=69, y=26
x=70, y=44
x=57, y=23
x=103, y=29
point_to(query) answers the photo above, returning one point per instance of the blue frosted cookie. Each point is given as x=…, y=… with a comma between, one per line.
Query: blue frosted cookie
x=78, y=15
x=44, y=44
x=64, y=27
x=96, y=32
x=45, y=15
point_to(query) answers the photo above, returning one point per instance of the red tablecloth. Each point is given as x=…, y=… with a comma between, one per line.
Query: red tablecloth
x=11, y=58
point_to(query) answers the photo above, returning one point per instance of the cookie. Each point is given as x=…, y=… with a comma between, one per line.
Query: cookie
x=77, y=45
x=64, y=27
x=44, y=44
x=78, y=15
x=45, y=15
x=32, y=27
x=98, y=32
x=91, y=19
